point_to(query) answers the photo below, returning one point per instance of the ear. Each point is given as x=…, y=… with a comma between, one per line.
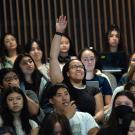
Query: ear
x=51, y=101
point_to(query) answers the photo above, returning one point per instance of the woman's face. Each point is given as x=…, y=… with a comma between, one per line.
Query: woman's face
x=123, y=100
x=113, y=38
x=10, y=42
x=131, y=130
x=57, y=129
x=10, y=80
x=36, y=52
x=27, y=65
x=89, y=60
x=15, y=102
x=64, y=45
x=132, y=59
x=76, y=71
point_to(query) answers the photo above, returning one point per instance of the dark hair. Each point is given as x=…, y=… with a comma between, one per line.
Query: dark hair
x=113, y=119
x=66, y=69
x=36, y=75
x=5, y=71
x=71, y=51
x=127, y=121
x=4, y=51
x=54, y=88
x=7, y=115
x=28, y=47
x=129, y=85
x=91, y=50
x=48, y=123
x=4, y=130
x=121, y=46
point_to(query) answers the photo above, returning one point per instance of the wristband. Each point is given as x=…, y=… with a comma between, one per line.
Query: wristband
x=59, y=33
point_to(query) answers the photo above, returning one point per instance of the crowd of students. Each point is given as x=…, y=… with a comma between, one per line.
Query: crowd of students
x=53, y=97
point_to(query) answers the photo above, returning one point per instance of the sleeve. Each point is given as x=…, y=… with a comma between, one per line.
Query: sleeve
x=106, y=88
x=31, y=94
x=93, y=90
x=33, y=124
x=90, y=122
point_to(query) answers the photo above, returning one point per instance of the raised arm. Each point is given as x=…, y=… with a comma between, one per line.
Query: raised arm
x=55, y=71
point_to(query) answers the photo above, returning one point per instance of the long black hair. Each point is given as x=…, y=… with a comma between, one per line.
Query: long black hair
x=28, y=47
x=36, y=75
x=3, y=49
x=113, y=121
x=48, y=123
x=121, y=46
x=7, y=115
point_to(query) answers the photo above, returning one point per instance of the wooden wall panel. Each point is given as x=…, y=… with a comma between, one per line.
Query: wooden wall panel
x=88, y=20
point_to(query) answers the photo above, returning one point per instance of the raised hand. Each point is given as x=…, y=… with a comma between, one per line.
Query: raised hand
x=61, y=24
x=70, y=110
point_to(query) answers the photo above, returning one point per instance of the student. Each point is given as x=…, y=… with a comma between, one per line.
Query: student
x=80, y=122
x=15, y=112
x=123, y=104
x=55, y=124
x=88, y=58
x=9, y=50
x=88, y=99
x=114, y=58
x=8, y=79
x=36, y=51
x=29, y=76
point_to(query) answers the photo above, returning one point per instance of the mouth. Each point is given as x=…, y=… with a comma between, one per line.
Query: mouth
x=66, y=104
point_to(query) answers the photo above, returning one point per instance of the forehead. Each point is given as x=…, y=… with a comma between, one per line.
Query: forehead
x=114, y=32
x=75, y=62
x=35, y=44
x=64, y=38
x=14, y=94
x=123, y=99
x=25, y=58
x=8, y=36
x=10, y=74
x=87, y=53
x=61, y=90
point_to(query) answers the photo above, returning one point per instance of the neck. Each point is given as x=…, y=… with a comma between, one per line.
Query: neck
x=89, y=75
x=28, y=78
x=77, y=84
x=113, y=49
x=38, y=63
x=64, y=54
x=12, y=53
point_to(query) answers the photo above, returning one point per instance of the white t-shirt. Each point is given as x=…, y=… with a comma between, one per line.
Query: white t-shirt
x=18, y=126
x=81, y=123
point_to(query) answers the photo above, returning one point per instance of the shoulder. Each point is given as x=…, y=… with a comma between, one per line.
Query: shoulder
x=33, y=124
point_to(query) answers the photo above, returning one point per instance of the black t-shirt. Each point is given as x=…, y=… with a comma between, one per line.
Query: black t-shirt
x=84, y=98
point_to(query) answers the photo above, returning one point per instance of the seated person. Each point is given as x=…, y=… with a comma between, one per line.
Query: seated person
x=80, y=122
x=9, y=78
x=114, y=57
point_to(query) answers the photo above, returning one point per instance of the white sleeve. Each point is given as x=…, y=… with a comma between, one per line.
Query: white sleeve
x=33, y=124
x=90, y=122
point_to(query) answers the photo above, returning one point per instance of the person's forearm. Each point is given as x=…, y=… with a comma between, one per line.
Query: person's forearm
x=33, y=107
x=55, y=70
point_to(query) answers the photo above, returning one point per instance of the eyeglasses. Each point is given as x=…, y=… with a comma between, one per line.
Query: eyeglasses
x=76, y=67
x=11, y=78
